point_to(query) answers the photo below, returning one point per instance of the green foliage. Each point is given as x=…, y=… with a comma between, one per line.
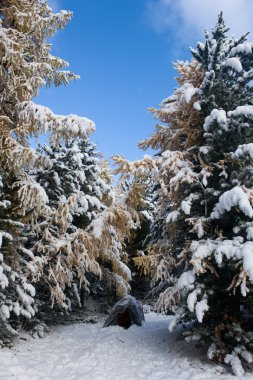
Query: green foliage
x=202, y=228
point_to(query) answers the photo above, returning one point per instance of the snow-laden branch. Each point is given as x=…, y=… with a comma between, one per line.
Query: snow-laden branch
x=59, y=125
x=232, y=198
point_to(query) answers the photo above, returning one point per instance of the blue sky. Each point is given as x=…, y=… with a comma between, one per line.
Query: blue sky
x=123, y=51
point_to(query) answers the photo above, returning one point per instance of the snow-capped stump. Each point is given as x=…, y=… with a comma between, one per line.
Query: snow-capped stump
x=126, y=312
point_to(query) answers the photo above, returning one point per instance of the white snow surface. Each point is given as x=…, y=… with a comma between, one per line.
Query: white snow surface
x=90, y=352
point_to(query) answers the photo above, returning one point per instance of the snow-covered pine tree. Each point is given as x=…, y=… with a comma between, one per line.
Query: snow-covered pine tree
x=78, y=186
x=204, y=177
x=225, y=265
x=75, y=168
x=26, y=64
x=16, y=293
x=88, y=212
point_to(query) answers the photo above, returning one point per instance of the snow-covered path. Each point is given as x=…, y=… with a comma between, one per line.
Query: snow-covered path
x=89, y=352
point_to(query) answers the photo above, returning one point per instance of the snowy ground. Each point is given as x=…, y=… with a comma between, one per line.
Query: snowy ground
x=89, y=352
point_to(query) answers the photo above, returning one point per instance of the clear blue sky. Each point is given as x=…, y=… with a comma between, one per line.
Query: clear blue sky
x=123, y=50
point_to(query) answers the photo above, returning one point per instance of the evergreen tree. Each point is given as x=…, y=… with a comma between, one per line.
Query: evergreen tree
x=212, y=213
x=81, y=245
x=78, y=186
x=202, y=233
x=26, y=64
x=16, y=293
x=75, y=168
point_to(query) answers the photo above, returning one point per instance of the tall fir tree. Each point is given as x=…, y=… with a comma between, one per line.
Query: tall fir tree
x=215, y=286
x=78, y=187
x=26, y=64
x=201, y=240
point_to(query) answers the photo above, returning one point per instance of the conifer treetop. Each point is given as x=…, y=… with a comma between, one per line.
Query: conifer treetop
x=26, y=65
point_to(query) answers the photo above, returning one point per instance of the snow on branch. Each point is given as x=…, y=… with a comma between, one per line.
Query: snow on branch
x=232, y=250
x=59, y=125
x=246, y=47
x=201, y=307
x=242, y=111
x=232, y=198
x=247, y=255
x=186, y=280
x=234, y=63
x=173, y=216
x=243, y=150
x=179, y=168
x=188, y=91
x=216, y=116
